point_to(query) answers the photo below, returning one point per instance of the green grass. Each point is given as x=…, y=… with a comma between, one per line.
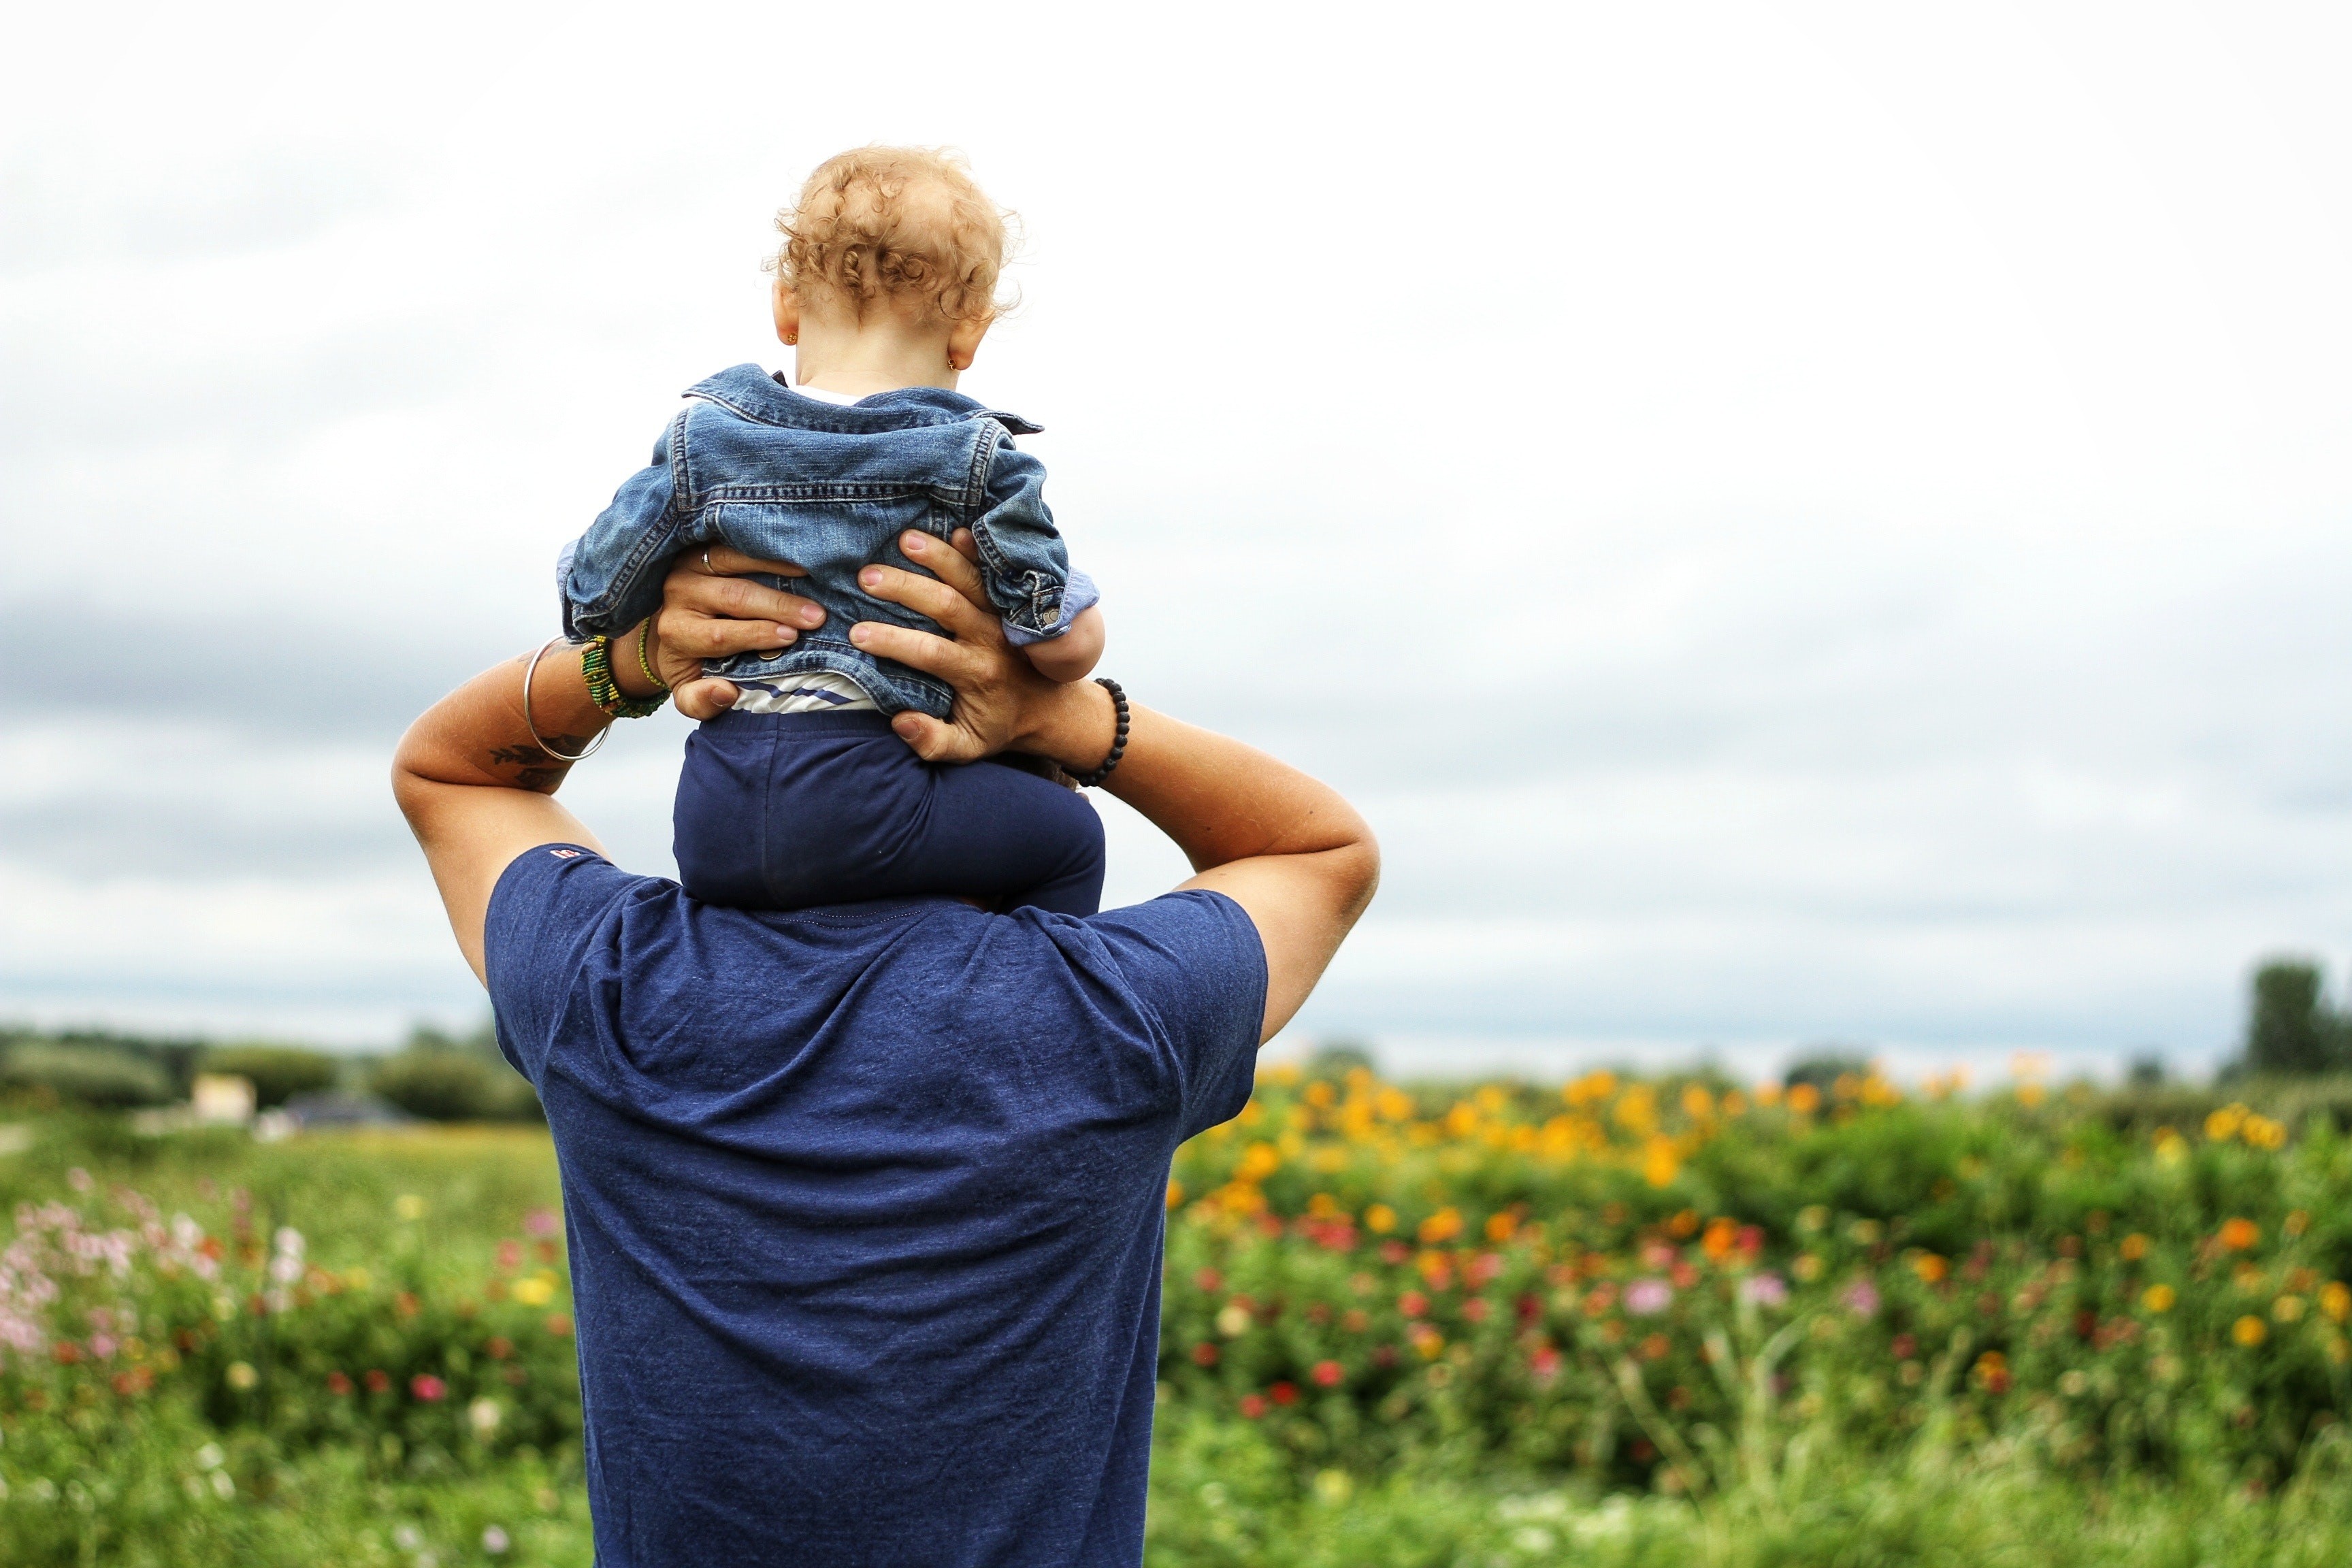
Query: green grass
x=1459, y=1460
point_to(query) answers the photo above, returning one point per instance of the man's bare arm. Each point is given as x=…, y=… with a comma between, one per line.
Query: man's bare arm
x=1288, y=848
x=476, y=786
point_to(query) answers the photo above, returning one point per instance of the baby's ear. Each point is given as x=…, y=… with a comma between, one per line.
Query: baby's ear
x=786, y=304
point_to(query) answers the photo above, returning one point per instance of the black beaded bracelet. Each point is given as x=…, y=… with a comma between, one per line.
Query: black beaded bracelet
x=1118, y=742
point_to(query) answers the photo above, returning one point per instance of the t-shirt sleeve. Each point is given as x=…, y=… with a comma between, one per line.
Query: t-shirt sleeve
x=1194, y=962
x=548, y=902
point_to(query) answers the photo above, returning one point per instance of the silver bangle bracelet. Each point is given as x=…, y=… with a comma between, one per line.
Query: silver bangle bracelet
x=530, y=669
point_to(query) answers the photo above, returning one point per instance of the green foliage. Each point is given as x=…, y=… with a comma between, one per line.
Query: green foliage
x=1957, y=1412
x=1824, y=1065
x=99, y=1075
x=279, y=1072
x=444, y=1082
x=2289, y=1027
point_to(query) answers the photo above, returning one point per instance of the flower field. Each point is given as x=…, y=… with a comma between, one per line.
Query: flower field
x=1645, y=1284
x=1613, y=1322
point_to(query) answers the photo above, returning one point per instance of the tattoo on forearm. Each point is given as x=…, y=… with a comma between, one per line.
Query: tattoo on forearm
x=537, y=769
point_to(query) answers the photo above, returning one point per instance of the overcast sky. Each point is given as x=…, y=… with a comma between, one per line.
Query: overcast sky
x=1796, y=522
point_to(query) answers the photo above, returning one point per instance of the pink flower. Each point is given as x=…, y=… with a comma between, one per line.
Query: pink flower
x=540, y=1222
x=1861, y=1298
x=427, y=1387
x=1765, y=1289
x=1328, y=1373
x=1647, y=1297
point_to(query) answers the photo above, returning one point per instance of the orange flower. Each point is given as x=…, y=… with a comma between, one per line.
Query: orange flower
x=1930, y=1267
x=2240, y=1235
x=2134, y=1247
x=1805, y=1099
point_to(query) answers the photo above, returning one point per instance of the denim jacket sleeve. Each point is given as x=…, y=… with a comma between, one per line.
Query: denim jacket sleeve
x=1023, y=562
x=610, y=578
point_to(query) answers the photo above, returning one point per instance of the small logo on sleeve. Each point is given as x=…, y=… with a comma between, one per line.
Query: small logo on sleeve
x=567, y=854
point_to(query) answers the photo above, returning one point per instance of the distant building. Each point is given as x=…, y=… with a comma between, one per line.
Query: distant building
x=222, y=1100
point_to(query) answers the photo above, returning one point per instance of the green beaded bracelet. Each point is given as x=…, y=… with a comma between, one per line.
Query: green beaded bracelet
x=596, y=667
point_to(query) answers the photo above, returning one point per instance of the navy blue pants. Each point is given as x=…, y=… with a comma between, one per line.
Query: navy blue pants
x=780, y=811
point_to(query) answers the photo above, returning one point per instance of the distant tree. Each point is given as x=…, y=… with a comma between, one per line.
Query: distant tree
x=2146, y=1072
x=2289, y=1029
x=279, y=1072
x=445, y=1079
x=1822, y=1065
x=1337, y=1058
x=103, y=1076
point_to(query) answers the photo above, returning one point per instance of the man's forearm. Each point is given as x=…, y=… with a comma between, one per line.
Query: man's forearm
x=1219, y=799
x=478, y=734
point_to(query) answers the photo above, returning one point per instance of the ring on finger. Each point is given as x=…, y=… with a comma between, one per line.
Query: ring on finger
x=707, y=566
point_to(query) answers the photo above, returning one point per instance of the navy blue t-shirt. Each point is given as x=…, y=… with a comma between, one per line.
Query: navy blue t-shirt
x=866, y=1205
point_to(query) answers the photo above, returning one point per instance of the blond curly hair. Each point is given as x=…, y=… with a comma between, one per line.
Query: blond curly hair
x=902, y=223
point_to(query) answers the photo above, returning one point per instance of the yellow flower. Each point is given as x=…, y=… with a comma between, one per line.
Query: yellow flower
x=2287, y=1308
x=1805, y=1099
x=1234, y=1321
x=2250, y=1330
x=2134, y=1247
x=1175, y=1193
x=241, y=1375
x=2223, y=1124
x=2335, y=1299
x=1660, y=1164
x=408, y=1205
x=1379, y=1219
x=2158, y=1297
x=536, y=1292
x=1259, y=1161
x=1443, y=1225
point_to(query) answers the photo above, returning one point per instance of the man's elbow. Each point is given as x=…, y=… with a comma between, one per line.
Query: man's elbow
x=1358, y=874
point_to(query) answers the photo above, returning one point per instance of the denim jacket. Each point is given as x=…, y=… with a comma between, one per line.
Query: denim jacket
x=786, y=477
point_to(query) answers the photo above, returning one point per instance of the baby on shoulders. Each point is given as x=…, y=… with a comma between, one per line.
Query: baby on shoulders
x=801, y=793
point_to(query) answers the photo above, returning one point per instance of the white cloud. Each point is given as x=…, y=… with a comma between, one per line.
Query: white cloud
x=1829, y=517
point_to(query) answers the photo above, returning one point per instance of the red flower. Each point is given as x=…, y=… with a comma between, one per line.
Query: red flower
x=559, y=1325
x=1905, y=1347
x=1253, y=1406
x=1474, y=1309
x=1284, y=1393
x=376, y=1381
x=509, y=1255
x=1412, y=1303
x=67, y=1352
x=1204, y=1354
x=338, y=1383
x=1544, y=1362
x=1209, y=1280
x=427, y=1387
x=1328, y=1373
x=1394, y=1252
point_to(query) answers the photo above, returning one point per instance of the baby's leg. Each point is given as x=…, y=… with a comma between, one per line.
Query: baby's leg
x=789, y=811
x=998, y=830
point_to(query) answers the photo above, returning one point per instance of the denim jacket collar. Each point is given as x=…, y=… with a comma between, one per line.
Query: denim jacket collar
x=755, y=395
